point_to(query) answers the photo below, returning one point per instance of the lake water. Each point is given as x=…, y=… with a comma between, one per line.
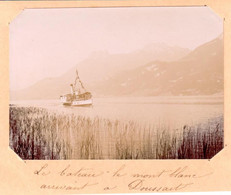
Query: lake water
x=78, y=138
x=172, y=111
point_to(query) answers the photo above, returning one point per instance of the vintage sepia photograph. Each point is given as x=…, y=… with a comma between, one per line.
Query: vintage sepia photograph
x=116, y=83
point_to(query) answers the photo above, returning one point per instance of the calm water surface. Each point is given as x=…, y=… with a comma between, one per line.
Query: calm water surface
x=172, y=111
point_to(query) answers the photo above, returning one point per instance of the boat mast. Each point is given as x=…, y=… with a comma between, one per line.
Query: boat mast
x=77, y=79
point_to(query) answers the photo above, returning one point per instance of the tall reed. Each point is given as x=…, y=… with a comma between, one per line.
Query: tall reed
x=36, y=133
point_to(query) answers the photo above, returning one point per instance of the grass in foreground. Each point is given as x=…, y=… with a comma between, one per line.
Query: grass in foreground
x=36, y=133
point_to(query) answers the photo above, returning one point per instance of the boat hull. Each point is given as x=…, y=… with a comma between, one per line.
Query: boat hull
x=87, y=102
x=66, y=104
x=82, y=102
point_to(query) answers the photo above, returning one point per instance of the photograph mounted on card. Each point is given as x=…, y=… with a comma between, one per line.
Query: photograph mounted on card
x=116, y=99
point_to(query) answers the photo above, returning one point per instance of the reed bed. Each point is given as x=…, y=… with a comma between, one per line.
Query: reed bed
x=36, y=133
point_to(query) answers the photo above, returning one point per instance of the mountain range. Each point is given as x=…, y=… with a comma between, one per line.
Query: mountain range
x=198, y=73
x=155, y=70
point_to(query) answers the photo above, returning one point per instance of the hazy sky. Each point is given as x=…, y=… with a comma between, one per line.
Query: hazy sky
x=47, y=42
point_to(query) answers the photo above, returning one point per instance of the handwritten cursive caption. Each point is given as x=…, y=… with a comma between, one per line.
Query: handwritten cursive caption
x=84, y=178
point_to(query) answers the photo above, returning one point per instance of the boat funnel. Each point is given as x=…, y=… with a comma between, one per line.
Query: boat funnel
x=72, y=90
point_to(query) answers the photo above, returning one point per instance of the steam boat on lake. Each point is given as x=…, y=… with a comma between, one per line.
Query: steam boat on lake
x=78, y=96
